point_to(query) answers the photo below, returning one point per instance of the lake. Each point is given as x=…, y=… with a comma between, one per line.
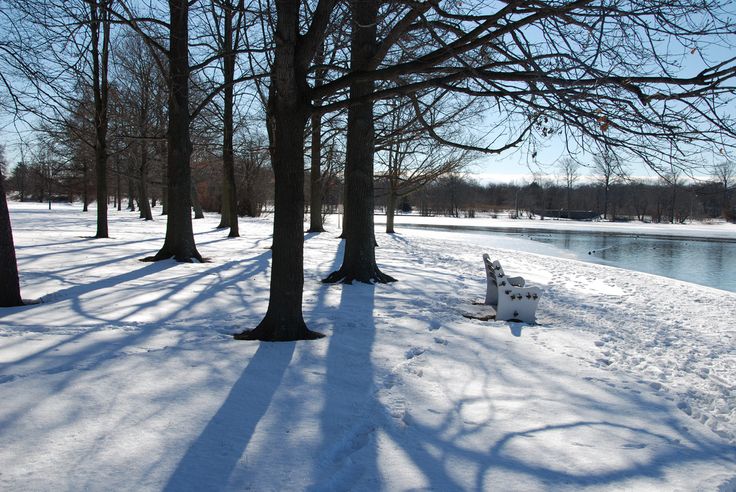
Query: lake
x=713, y=259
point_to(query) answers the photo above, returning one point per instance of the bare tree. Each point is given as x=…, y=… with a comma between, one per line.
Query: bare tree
x=179, y=240
x=724, y=172
x=608, y=167
x=99, y=16
x=140, y=94
x=289, y=108
x=228, y=17
x=410, y=156
x=54, y=45
x=570, y=169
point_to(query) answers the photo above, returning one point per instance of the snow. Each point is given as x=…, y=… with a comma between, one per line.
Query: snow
x=125, y=377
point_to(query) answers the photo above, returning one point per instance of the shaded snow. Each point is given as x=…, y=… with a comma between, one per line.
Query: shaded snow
x=126, y=378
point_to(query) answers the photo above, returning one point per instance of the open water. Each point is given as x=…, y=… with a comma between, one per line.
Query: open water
x=710, y=262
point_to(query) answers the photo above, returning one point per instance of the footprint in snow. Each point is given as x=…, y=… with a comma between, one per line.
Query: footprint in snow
x=413, y=352
x=634, y=446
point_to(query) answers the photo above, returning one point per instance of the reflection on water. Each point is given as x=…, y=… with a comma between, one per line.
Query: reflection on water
x=709, y=262
x=705, y=262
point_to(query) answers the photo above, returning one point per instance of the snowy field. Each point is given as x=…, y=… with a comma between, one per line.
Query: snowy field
x=126, y=377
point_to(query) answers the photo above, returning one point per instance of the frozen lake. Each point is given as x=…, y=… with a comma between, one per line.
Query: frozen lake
x=705, y=261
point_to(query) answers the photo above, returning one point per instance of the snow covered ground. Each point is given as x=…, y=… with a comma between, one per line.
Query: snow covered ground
x=126, y=377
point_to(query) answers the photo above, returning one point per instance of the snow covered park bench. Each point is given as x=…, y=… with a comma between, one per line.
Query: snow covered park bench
x=508, y=296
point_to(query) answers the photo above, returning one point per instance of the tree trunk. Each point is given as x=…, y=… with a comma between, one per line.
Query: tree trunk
x=229, y=193
x=315, y=177
x=674, y=200
x=100, y=25
x=288, y=110
x=10, y=285
x=179, y=241
x=198, y=212
x=118, y=191
x=359, y=262
x=225, y=205
x=724, y=200
x=390, y=209
x=131, y=194
x=164, y=189
x=143, y=205
x=85, y=186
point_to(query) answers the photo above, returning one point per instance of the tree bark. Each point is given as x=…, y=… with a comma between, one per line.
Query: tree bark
x=100, y=25
x=225, y=205
x=164, y=190
x=85, y=186
x=229, y=193
x=131, y=194
x=143, y=204
x=288, y=110
x=359, y=262
x=390, y=210
x=315, y=177
x=10, y=285
x=179, y=240
x=196, y=206
x=118, y=191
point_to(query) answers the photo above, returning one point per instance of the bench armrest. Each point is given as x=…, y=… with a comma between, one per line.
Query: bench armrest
x=516, y=281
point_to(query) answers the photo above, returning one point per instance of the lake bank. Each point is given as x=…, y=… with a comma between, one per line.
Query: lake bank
x=697, y=230
x=704, y=254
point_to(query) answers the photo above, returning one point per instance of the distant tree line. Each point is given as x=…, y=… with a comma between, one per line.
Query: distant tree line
x=661, y=200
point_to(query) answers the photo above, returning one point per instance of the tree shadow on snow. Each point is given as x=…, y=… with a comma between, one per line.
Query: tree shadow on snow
x=581, y=432
x=212, y=457
x=347, y=454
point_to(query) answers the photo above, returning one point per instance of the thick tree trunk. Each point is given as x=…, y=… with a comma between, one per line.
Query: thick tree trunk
x=179, y=240
x=9, y=285
x=390, y=210
x=315, y=177
x=229, y=193
x=359, y=262
x=288, y=110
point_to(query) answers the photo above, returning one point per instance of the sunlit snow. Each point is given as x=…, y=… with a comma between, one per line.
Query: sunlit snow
x=126, y=377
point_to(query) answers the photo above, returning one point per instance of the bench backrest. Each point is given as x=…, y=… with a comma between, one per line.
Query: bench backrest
x=495, y=278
